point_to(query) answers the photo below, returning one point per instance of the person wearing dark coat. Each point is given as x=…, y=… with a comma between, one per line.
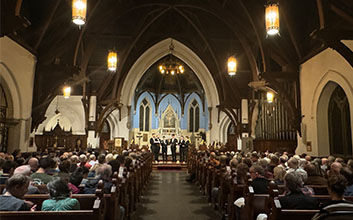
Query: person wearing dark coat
x=164, y=144
x=294, y=198
x=103, y=173
x=259, y=183
x=173, y=143
x=182, y=149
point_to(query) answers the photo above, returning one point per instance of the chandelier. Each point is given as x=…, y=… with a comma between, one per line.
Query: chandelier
x=170, y=65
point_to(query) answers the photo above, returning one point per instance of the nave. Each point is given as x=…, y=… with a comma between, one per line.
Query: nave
x=169, y=196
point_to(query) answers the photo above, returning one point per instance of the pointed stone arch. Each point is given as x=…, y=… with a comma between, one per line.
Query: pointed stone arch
x=159, y=50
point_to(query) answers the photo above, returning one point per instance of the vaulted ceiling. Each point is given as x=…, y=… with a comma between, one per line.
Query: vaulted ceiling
x=213, y=29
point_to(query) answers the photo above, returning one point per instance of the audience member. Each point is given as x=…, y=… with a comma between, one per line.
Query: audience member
x=33, y=163
x=40, y=176
x=16, y=188
x=314, y=175
x=7, y=170
x=259, y=183
x=59, y=197
x=104, y=173
x=294, y=198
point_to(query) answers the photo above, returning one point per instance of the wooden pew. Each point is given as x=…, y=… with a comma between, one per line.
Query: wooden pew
x=318, y=189
x=277, y=213
x=96, y=212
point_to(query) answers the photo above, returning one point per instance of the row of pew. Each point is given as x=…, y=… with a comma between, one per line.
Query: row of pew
x=208, y=177
x=125, y=192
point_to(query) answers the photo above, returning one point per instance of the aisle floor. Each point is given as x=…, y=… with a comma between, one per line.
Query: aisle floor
x=168, y=196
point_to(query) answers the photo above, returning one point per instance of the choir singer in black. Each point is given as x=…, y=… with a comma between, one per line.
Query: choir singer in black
x=173, y=143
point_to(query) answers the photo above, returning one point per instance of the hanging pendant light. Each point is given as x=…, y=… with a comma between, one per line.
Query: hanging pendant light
x=112, y=60
x=79, y=8
x=270, y=96
x=232, y=66
x=67, y=92
x=272, y=19
x=169, y=64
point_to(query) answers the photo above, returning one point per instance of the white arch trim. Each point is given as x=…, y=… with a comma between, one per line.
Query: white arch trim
x=339, y=79
x=335, y=77
x=159, y=50
x=225, y=122
x=7, y=78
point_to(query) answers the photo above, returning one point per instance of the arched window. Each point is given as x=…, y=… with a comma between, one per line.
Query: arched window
x=194, y=116
x=339, y=124
x=3, y=127
x=144, y=120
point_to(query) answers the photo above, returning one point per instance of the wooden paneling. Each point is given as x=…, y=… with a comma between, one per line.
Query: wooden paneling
x=275, y=145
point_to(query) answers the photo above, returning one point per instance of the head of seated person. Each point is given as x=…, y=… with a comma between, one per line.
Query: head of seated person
x=16, y=188
x=259, y=183
x=336, y=186
x=58, y=189
x=59, y=194
x=293, y=182
x=256, y=171
x=17, y=185
x=104, y=173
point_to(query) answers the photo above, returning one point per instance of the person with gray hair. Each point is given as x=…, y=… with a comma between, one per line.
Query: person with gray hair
x=59, y=200
x=104, y=173
x=26, y=170
x=295, y=198
x=16, y=188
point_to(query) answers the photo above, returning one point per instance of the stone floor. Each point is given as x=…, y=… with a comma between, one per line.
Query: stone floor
x=169, y=196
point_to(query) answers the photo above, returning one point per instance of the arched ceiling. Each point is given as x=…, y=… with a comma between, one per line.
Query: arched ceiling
x=155, y=82
x=213, y=29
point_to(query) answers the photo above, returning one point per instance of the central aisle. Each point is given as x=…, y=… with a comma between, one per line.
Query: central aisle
x=168, y=196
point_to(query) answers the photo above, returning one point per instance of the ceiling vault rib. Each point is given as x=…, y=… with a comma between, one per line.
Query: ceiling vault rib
x=202, y=35
x=116, y=95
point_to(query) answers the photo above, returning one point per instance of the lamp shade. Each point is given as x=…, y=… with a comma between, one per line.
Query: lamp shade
x=272, y=19
x=79, y=8
x=112, y=61
x=67, y=92
x=270, y=96
x=232, y=66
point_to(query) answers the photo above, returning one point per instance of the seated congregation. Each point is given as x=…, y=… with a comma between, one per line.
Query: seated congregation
x=263, y=185
x=71, y=185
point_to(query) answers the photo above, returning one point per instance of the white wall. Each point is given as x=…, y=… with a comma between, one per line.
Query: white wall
x=328, y=66
x=71, y=115
x=17, y=69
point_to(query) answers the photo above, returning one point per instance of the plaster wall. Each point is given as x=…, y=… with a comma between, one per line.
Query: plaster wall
x=70, y=116
x=17, y=69
x=316, y=76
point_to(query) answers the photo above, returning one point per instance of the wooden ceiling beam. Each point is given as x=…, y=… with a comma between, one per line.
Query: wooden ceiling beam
x=46, y=25
x=343, y=14
x=117, y=86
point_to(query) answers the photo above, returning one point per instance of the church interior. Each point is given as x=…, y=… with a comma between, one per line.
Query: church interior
x=231, y=77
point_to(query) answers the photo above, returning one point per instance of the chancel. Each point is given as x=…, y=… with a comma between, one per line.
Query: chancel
x=175, y=109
